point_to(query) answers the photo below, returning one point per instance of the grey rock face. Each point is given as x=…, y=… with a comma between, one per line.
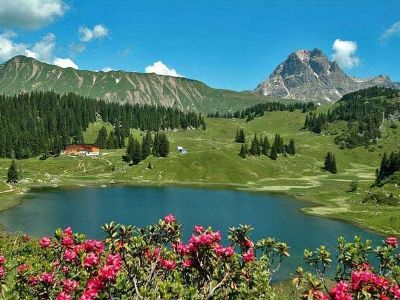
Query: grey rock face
x=309, y=75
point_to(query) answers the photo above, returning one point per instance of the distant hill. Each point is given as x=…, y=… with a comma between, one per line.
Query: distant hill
x=309, y=75
x=23, y=74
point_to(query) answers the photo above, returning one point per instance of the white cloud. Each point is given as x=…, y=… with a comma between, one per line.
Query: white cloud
x=391, y=31
x=344, y=53
x=65, y=63
x=107, y=69
x=161, y=69
x=42, y=50
x=98, y=32
x=30, y=14
x=9, y=48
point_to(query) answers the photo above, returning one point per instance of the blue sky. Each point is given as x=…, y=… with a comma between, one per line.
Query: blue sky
x=227, y=44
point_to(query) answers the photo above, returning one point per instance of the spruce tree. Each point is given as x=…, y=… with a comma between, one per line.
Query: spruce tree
x=274, y=154
x=255, y=146
x=242, y=152
x=156, y=145
x=291, y=149
x=137, y=152
x=265, y=146
x=163, y=145
x=330, y=163
x=101, y=139
x=146, y=145
x=130, y=149
x=12, y=174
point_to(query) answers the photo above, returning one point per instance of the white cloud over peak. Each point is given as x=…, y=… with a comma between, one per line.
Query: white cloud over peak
x=42, y=50
x=65, y=63
x=98, y=32
x=393, y=30
x=344, y=53
x=160, y=68
x=30, y=14
x=107, y=69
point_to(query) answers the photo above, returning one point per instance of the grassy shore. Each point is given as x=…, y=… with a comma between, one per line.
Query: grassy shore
x=212, y=161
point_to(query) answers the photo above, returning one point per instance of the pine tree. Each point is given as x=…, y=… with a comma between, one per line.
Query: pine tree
x=265, y=146
x=274, y=154
x=156, y=145
x=330, y=163
x=255, y=146
x=163, y=145
x=291, y=149
x=130, y=149
x=12, y=175
x=146, y=145
x=101, y=139
x=243, y=151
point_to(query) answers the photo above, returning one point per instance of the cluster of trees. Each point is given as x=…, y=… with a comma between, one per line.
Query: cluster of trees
x=371, y=92
x=115, y=139
x=43, y=123
x=262, y=146
x=389, y=165
x=260, y=109
x=157, y=146
x=12, y=174
x=364, y=111
x=330, y=163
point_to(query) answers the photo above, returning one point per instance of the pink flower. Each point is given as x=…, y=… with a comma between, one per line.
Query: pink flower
x=69, y=255
x=94, y=284
x=108, y=273
x=2, y=260
x=224, y=251
x=187, y=263
x=395, y=290
x=248, y=243
x=94, y=246
x=63, y=296
x=391, y=241
x=169, y=218
x=89, y=295
x=115, y=261
x=168, y=264
x=198, y=229
x=248, y=256
x=45, y=242
x=22, y=268
x=69, y=285
x=68, y=241
x=2, y=272
x=46, y=278
x=91, y=260
x=68, y=231
x=33, y=280
x=341, y=291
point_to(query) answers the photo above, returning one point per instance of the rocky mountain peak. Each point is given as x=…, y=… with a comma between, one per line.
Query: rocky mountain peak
x=310, y=75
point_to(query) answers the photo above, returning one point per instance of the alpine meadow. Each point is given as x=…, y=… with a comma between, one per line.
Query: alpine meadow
x=125, y=184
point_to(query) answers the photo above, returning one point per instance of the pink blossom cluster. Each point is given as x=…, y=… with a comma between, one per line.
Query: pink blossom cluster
x=365, y=281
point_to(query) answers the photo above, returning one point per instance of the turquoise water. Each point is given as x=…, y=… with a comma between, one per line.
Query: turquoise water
x=270, y=215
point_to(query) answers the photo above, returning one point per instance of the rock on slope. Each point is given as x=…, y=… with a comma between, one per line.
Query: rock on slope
x=309, y=75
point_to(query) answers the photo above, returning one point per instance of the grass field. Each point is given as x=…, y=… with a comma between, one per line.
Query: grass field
x=212, y=160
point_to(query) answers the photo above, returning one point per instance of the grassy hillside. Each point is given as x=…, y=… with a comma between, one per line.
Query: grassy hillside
x=213, y=161
x=23, y=74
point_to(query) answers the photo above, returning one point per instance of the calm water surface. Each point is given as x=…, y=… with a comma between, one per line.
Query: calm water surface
x=270, y=215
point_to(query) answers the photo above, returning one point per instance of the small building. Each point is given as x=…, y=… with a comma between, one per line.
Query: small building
x=82, y=150
x=181, y=150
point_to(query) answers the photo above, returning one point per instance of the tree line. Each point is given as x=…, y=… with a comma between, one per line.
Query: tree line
x=260, y=109
x=364, y=116
x=389, y=165
x=261, y=146
x=157, y=146
x=43, y=123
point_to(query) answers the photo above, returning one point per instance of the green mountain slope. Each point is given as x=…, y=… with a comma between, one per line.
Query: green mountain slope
x=23, y=74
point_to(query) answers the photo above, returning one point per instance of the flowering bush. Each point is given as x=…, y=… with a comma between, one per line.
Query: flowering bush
x=149, y=263
x=355, y=277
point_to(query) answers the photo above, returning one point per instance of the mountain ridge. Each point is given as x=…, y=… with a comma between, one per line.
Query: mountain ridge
x=310, y=75
x=25, y=74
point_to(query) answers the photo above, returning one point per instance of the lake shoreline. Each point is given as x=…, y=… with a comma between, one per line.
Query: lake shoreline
x=27, y=192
